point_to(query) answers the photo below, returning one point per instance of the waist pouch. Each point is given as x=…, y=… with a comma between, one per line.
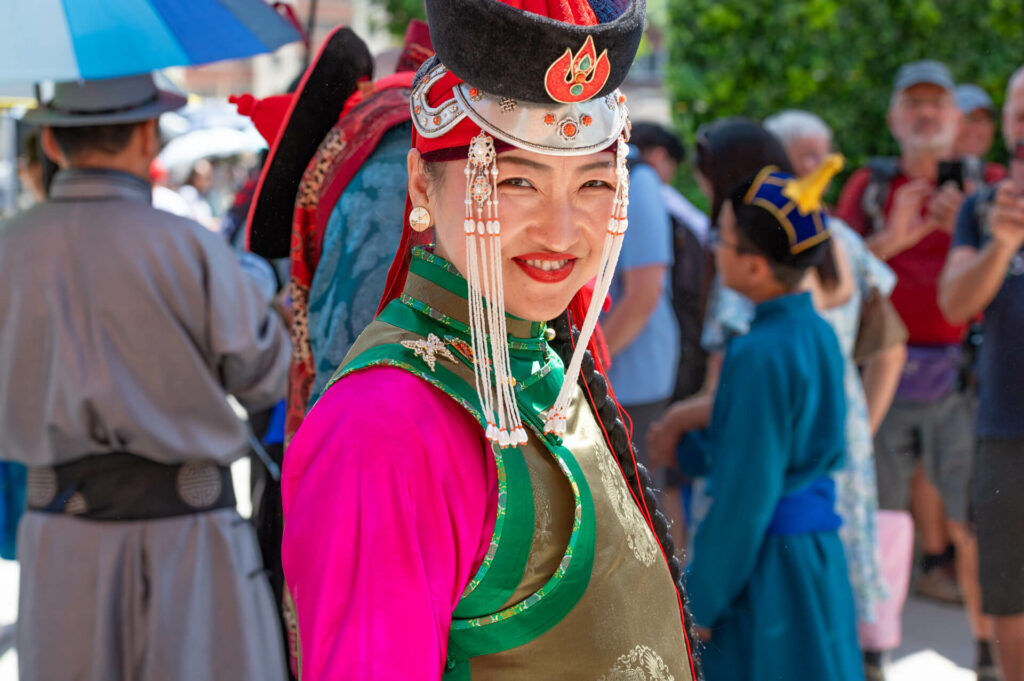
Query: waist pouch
x=125, y=487
x=931, y=372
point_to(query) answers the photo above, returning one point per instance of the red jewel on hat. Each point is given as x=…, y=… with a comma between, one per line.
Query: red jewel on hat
x=549, y=119
x=437, y=120
x=569, y=130
x=473, y=92
x=587, y=120
x=417, y=109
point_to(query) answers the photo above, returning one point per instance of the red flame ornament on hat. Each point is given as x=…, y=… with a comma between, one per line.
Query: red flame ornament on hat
x=577, y=78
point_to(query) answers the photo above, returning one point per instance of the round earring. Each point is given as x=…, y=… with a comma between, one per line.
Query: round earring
x=419, y=218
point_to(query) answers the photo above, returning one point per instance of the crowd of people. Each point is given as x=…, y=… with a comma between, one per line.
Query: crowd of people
x=918, y=253
x=525, y=442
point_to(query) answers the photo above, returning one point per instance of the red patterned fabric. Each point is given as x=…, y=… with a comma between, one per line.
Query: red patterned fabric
x=570, y=11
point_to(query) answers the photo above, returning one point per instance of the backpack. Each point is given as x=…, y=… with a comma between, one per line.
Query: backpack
x=689, y=277
x=692, y=270
x=872, y=201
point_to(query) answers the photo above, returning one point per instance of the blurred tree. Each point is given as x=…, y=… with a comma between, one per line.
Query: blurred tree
x=836, y=58
x=400, y=12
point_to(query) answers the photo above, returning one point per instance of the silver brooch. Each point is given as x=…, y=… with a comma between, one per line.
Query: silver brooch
x=429, y=349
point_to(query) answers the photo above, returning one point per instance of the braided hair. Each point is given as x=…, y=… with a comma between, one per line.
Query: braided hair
x=595, y=386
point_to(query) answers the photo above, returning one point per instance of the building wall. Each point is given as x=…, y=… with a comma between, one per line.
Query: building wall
x=272, y=73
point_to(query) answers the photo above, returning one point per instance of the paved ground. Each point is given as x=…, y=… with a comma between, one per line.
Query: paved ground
x=936, y=646
x=937, y=643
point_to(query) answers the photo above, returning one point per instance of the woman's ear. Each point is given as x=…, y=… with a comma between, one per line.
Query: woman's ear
x=418, y=183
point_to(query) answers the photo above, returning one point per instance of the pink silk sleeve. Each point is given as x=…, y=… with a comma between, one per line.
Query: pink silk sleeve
x=389, y=505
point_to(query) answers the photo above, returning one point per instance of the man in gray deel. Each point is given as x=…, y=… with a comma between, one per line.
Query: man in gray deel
x=123, y=330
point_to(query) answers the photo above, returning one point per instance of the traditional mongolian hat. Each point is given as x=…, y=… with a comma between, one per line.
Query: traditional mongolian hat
x=539, y=75
x=797, y=224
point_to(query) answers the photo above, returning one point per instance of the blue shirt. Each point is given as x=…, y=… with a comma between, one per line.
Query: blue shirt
x=645, y=370
x=1001, y=360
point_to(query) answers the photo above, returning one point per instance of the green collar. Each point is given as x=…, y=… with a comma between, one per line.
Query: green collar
x=435, y=288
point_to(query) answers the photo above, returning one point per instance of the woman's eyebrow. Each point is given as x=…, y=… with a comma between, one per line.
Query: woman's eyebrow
x=526, y=162
x=529, y=163
x=596, y=165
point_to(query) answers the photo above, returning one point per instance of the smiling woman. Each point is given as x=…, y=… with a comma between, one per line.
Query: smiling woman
x=464, y=490
x=554, y=219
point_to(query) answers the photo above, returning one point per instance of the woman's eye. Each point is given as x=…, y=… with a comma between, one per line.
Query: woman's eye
x=600, y=184
x=516, y=182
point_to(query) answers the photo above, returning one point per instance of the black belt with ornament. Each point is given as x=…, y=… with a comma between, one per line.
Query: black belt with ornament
x=124, y=487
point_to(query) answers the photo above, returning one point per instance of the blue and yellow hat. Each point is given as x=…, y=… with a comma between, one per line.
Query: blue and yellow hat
x=795, y=205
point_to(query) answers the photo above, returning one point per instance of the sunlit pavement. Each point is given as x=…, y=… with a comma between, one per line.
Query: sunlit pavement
x=8, y=613
x=937, y=643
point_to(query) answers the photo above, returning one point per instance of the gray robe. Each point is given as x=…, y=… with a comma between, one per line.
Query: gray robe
x=124, y=328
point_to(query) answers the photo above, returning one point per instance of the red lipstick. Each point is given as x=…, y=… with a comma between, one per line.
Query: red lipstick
x=528, y=263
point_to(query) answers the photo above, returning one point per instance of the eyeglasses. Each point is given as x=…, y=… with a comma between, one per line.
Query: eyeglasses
x=715, y=240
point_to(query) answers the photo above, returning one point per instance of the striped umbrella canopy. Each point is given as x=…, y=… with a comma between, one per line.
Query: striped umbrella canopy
x=93, y=39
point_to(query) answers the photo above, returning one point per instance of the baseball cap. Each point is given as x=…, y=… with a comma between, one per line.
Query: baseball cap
x=970, y=98
x=926, y=71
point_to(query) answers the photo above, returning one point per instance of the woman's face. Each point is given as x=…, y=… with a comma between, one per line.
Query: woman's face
x=554, y=215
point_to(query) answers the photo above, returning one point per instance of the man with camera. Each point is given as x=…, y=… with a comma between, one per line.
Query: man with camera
x=985, y=273
x=906, y=209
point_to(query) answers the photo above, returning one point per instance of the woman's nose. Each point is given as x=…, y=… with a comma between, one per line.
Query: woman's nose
x=558, y=227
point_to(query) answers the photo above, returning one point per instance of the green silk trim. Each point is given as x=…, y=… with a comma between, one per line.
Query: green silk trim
x=539, y=612
x=531, y=345
x=444, y=274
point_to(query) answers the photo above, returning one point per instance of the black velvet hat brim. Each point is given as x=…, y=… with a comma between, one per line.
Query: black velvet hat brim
x=507, y=51
x=343, y=60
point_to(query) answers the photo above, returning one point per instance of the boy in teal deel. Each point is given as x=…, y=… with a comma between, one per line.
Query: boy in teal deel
x=768, y=584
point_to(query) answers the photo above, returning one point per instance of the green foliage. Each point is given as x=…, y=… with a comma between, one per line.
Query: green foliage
x=400, y=13
x=836, y=58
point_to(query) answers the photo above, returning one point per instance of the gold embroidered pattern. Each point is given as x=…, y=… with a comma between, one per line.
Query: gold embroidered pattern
x=639, y=664
x=638, y=534
x=542, y=531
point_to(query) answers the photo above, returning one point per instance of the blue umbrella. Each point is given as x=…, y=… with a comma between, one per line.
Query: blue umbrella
x=92, y=39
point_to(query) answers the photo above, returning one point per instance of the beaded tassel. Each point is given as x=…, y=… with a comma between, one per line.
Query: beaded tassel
x=556, y=421
x=488, y=331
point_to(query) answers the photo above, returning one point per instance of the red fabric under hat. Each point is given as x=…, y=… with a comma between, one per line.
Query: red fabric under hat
x=570, y=11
